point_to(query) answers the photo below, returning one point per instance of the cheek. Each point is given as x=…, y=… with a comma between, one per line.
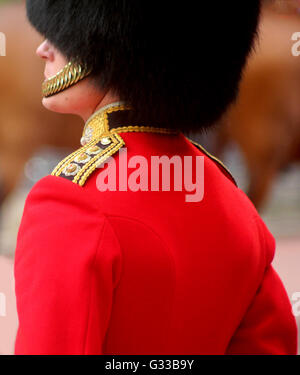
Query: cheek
x=54, y=65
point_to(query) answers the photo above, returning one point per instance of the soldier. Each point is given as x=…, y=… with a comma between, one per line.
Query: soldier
x=127, y=270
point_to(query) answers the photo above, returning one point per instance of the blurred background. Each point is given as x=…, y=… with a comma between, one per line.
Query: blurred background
x=258, y=139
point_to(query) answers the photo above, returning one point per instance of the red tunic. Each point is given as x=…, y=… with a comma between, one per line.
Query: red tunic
x=145, y=272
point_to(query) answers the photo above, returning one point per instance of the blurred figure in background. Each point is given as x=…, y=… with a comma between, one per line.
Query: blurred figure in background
x=265, y=121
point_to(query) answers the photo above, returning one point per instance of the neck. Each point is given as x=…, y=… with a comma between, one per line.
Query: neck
x=107, y=99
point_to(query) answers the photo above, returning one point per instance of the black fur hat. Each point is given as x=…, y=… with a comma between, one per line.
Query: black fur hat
x=178, y=63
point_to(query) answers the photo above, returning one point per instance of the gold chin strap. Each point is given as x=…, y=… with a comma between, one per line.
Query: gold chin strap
x=65, y=78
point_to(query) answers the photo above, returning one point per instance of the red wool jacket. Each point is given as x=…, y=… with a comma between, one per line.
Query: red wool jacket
x=145, y=272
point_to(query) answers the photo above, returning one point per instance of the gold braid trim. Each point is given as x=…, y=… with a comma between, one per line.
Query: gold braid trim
x=61, y=166
x=143, y=129
x=90, y=167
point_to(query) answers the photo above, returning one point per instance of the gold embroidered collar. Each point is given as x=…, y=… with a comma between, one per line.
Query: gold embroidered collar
x=113, y=119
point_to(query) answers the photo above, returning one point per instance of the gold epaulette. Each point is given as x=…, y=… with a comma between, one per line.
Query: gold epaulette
x=78, y=166
x=220, y=164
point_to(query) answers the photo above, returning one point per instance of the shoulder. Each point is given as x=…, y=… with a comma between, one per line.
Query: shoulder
x=63, y=233
x=55, y=191
x=62, y=206
x=61, y=218
x=217, y=162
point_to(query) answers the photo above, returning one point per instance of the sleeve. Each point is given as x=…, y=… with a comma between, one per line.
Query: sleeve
x=269, y=326
x=67, y=266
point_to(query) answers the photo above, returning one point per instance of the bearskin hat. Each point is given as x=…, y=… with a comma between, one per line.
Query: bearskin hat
x=177, y=63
